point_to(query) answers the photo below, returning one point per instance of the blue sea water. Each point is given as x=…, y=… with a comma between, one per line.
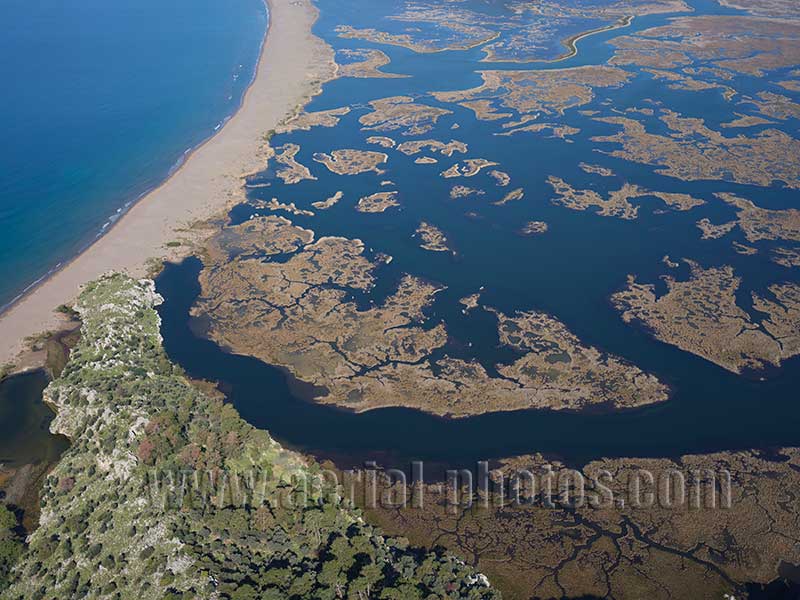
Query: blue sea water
x=100, y=101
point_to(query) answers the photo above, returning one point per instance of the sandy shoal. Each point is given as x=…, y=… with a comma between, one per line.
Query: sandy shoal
x=292, y=65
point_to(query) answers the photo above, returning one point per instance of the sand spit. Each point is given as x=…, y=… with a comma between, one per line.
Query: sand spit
x=293, y=65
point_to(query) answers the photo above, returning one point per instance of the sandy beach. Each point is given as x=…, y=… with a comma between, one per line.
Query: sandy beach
x=292, y=66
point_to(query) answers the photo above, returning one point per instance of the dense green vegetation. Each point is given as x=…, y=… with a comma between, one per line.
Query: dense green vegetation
x=247, y=519
x=10, y=544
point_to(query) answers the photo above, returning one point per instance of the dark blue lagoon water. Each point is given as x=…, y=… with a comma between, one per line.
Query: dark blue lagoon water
x=570, y=272
x=25, y=422
x=100, y=100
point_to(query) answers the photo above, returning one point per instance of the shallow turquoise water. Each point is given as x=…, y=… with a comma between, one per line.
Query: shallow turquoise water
x=100, y=100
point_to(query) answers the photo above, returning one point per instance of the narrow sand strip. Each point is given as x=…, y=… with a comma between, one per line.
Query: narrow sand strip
x=292, y=65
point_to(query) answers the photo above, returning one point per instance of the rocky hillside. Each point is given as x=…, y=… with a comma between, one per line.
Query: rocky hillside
x=166, y=492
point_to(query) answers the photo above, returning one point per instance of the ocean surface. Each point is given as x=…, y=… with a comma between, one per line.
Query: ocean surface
x=100, y=101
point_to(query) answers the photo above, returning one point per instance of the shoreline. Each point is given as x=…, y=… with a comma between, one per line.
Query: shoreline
x=291, y=68
x=570, y=43
x=130, y=202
